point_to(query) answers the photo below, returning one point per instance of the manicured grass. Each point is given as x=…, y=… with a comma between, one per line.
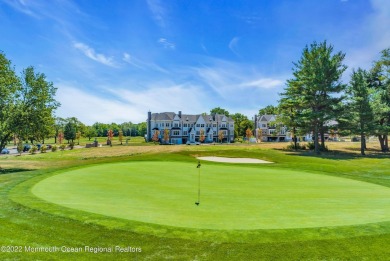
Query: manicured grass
x=233, y=197
x=27, y=220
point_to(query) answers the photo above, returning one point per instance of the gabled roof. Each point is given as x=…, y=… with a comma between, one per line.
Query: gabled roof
x=163, y=116
x=170, y=116
x=267, y=117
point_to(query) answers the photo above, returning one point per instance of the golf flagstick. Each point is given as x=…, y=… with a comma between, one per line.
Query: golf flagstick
x=198, y=202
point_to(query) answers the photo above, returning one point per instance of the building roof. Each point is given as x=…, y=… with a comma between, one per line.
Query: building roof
x=169, y=116
x=267, y=117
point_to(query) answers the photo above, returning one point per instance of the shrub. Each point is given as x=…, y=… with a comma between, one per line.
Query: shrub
x=54, y=148
x=299, y=147
x=71, y=145
x=43, y=148
x=20, y=147
x=311, y=146
x=62, y=146
x=33, y=149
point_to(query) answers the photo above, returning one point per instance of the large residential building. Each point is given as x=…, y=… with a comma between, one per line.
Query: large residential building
x=267, y=124
x=270, y=131
x=188, y=128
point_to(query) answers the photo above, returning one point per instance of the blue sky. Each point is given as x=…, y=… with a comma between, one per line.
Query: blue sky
x=113, y=61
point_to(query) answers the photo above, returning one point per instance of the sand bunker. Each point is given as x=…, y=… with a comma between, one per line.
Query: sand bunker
x=234, y=160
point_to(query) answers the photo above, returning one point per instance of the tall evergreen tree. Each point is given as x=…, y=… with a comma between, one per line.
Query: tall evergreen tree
x=379, y=81
x=359, y=107
x=317, y=81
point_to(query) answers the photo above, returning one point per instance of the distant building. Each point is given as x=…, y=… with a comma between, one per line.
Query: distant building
x=269, y=131
x=185, y=128
x=267, y=124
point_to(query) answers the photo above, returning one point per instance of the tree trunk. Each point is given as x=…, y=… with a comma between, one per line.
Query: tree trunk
x=362, y=143
x=316, y=147
x=382, y=142
x=386, y=141
x=322, y=133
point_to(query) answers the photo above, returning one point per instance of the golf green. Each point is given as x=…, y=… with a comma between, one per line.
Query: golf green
x=232, y=196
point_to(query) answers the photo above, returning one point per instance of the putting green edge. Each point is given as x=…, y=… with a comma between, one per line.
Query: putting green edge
x=22, y=195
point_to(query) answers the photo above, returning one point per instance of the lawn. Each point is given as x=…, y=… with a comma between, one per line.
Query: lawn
x=302, y=207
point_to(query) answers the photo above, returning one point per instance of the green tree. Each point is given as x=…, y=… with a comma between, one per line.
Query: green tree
x=269, y=110
x=90, y=132
x=244, y=125
x=360, y=114
x=142, y=129
x=36, y=105
x=9, y=84
x=219, y=110
x=379, y=82
x=59, y=124
x=317, y=79
x=70, y=131
x=238, y=118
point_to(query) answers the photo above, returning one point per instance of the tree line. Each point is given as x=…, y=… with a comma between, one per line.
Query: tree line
x=27, y=111
x=316, y=101
x=72, y=129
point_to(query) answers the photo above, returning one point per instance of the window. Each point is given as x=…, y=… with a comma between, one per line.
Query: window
x=185, y=125
x=197, y=125
x=167, y=124
x=192, y=125
x=176, y=125
x=214, y=133
x=176, y=133
x=264, y=125
x=214, y=125
x=202, y=125
x=197, y=132
x=185, y=133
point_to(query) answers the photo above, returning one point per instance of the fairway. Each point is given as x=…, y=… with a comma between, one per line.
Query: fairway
x=233, y=197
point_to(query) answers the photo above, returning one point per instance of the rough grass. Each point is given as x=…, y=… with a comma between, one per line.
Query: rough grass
x=24, y=221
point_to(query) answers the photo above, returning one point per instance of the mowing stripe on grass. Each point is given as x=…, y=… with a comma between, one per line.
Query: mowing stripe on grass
x=233, y=197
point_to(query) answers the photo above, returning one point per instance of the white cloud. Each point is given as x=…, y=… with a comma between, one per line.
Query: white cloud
x=233, y=45
x=90, y=108
x=265, y=83
x=90, y=53
x=22, y=7
x=158, y=11
x=167, y=45
x=128, y=105
x=131, y=60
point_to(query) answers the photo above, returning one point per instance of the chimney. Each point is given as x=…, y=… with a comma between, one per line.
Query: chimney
x=180, y=114
x=149, y=126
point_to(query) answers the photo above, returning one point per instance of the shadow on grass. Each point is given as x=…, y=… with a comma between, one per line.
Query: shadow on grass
x=339, y=155
x=12, y=170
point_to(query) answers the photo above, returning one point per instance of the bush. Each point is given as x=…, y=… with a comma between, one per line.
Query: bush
x=311, y=146
x=43, y=148
x=33, y=149
x=299, y=147
x=20, y=147
x=54, y=148
x=62, y=146
x=71, y=145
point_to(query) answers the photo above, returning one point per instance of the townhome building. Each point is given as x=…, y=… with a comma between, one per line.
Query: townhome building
x=189, y=128
x=272, y=130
